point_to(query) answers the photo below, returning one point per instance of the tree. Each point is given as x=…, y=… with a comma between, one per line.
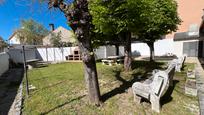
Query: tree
x=79, y=19
x=31, y=32
x=2, y=43
x=114, y=18
x=160, y=18
x=149, y=19
x=56, y=40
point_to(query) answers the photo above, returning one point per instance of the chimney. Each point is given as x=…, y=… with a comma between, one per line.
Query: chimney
x=52, y=28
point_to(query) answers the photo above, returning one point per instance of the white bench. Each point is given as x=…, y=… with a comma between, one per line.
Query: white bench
x=106, y=61
x=178, y=62
x=154, y=87
x=113, y=60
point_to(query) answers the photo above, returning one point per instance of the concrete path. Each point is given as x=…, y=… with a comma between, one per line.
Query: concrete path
x=9, y=85
x=199, y=82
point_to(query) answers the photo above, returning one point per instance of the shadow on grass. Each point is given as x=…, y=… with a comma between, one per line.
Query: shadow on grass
x=161, y=58
x=166, y=98
x=183, y=67
x=146, y=66
x=121, y=89
x=61, y=105
x=41, y=66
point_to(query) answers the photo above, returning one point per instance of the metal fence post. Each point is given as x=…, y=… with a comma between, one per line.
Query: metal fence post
x=25, y=70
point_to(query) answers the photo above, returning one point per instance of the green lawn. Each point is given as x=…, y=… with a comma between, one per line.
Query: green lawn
x=60, y=89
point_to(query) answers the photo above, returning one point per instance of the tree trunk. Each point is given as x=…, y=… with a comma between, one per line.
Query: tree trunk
x=117, y=49
x=90, y=71
x=128, y=53
x=80, y=20
x=151, y=47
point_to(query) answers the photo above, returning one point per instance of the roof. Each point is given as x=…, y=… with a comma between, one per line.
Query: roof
x=67, y=35
x=193, y=33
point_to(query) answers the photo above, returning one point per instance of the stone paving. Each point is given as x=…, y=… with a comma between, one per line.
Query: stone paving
x=199, y=82
x=9, y=85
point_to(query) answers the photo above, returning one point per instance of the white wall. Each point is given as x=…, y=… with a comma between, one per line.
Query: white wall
x=110, y=51
x=58, y=54
x=1, y=49
x=121, y=51
x=161, y=47
x=140, y=49
x=17, y=54
x=54, y=54
x=164, y=46
x=178, y=47
x=105, y=51
x=100, y=52
x=14, y=40
x=4, y=62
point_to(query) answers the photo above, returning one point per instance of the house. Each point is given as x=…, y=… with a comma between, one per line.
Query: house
x=189, y=38
x=13, y=39
x=66, y=35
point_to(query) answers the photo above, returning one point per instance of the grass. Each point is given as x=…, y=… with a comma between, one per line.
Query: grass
x=60, y=89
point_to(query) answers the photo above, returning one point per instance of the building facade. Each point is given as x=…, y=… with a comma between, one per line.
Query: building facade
x=189, y=37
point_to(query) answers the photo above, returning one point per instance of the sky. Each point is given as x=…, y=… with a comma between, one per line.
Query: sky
x=13, y=11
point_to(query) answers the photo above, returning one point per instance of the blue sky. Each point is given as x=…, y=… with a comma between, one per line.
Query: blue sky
x=13, y=11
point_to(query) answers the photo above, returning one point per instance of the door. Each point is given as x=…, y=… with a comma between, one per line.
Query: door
x=190, y=49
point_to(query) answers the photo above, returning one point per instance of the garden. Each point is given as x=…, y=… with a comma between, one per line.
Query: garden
x=60, y=89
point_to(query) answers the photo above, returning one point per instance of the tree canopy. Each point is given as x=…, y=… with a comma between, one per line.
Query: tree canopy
x=159, y=18
x=148, y=19
x=2, y=43
x=116, y=18
x=31, y=32
x=111, y=16
x=138, y=16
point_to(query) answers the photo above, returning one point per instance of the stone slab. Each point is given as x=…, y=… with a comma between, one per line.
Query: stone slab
x=191, y=74
x=190, y=87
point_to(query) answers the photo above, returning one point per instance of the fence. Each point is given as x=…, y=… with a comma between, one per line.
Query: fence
x=4, y=62
x=1, y=49
x=162, y=47
x=105, y=51
x=58, y=54
x=54, y=54
x=16, y=54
